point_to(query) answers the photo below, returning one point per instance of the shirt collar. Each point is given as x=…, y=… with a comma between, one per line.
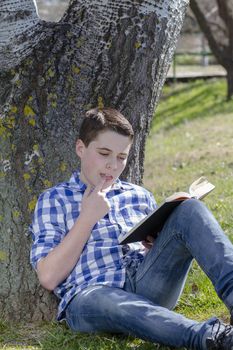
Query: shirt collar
x=76, y=181
x=81, y=186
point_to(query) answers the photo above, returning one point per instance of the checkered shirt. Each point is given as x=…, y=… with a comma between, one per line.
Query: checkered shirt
x=103, y=260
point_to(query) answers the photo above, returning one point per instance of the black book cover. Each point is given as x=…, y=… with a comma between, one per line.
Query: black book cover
x=152, y=224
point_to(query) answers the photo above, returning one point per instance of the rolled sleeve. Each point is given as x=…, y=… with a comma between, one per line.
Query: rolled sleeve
x=48, y=226
x=152, y=205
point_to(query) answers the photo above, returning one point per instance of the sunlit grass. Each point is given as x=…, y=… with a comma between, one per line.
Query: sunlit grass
x=187, y=141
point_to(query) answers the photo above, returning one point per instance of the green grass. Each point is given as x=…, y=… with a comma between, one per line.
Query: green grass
x=192, y=59
x=192, y=135
x=190, y=139
x=55, y=336
x=198, y=99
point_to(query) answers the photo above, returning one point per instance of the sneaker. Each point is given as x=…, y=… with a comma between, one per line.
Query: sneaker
x=221, y=337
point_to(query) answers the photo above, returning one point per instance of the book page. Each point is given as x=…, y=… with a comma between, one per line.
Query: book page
x=200, y=188
x=178, y=196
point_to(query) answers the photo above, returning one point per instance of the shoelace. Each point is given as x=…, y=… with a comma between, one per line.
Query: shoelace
x=221, y=334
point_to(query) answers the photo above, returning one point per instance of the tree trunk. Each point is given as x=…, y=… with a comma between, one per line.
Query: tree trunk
x=230, y=83
x=218, y=32
x=113, y=53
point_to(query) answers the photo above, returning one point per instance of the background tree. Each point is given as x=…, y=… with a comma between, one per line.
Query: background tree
x=113, y=53
x=216, y=21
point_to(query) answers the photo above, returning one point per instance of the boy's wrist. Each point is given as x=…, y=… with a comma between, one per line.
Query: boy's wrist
x=84, y=221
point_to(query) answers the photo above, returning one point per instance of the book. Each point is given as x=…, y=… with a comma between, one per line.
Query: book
x=152, y=224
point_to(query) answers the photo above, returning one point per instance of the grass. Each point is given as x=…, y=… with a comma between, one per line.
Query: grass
x=189, y=139
x=55, y=336
x=183, y=148
x=191, y=135
x=192, y=59
x=183, y=102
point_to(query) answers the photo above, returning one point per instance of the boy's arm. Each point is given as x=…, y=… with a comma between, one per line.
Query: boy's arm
x=58, y=264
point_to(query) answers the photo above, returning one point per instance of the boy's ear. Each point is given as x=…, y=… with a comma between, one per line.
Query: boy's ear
x=80, y=147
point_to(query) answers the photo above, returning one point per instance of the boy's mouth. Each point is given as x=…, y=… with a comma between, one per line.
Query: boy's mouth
x=107, y=177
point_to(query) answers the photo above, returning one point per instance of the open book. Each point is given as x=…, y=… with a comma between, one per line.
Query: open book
x=154, y=222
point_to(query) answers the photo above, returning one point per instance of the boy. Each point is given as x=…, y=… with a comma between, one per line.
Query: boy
x=132, y=289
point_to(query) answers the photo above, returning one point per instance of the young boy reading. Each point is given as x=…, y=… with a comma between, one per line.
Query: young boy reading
x=131, y=289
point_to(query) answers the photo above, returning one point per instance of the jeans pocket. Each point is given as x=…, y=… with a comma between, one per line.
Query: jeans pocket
x=130, y=278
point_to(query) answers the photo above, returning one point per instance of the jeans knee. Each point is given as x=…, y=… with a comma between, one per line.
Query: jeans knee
x=188, y=217
x=191, y=209
x=192, y=204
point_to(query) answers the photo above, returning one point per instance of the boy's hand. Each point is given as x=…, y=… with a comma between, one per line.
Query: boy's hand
x=95, y=204
x=149, y=242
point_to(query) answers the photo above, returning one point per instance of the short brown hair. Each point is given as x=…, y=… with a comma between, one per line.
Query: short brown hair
x=98, y=120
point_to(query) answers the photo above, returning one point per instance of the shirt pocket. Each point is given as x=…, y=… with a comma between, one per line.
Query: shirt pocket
x=128, y=218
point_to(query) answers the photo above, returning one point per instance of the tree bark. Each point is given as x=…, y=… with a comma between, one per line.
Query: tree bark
x=229, y=83
x=100, y=53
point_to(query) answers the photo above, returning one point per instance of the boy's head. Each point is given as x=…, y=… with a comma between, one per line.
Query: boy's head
x=103, y=146
x=100, y=120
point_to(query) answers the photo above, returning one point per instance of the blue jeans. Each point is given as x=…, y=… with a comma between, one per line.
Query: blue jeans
x=143, y=308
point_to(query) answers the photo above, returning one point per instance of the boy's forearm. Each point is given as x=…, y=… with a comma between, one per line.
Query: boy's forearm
x=58, y=264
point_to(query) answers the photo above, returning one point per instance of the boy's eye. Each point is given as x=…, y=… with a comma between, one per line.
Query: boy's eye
x=104, y=154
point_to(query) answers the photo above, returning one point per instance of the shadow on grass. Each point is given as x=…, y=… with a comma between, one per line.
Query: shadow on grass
x=171, y=89
x=188, y=102
x=191, y=101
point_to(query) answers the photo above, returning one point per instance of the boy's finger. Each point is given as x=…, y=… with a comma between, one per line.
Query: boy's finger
x=150, y=239
x=88, y=190
x=99, y=186
x=147, y=244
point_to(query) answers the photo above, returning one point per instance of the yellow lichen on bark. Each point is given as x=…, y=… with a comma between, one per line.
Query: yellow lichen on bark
x=32, y=204
x=28, y=111
x=47, y=183
x=3, y=255
x=63, y=166
x=26, y=176
x=100, y=102
x=75, y=69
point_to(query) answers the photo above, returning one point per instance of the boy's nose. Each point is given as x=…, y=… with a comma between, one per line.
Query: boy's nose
x=112, y=165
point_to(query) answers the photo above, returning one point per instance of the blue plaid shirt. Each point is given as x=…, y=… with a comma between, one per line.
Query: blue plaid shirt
x=102, y=260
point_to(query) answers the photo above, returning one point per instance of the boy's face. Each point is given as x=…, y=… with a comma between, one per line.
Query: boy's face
x=104, y=158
